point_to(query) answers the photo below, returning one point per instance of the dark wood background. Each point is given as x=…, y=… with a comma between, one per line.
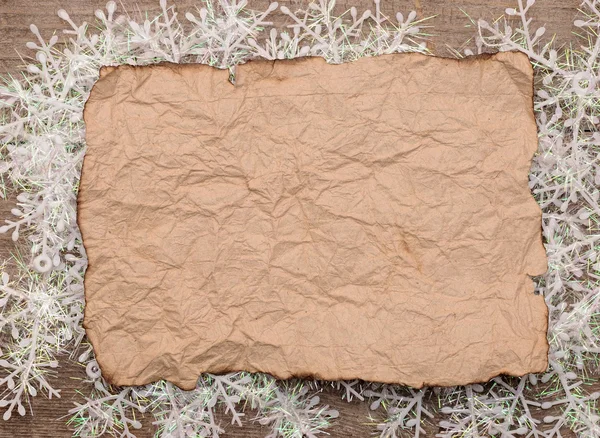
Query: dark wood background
x=450, y=28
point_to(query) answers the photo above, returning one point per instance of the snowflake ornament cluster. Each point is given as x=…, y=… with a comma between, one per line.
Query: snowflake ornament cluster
x=41, y=152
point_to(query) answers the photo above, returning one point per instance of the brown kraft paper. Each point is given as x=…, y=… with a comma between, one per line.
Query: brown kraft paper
x=366, y=220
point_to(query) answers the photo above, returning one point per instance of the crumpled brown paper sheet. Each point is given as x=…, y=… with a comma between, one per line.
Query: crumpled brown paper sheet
x=367, y=220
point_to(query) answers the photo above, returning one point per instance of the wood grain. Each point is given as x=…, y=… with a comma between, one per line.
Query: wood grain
x=450, y=28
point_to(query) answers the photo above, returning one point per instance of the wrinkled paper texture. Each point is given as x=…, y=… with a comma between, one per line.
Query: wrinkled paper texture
x=367, y=220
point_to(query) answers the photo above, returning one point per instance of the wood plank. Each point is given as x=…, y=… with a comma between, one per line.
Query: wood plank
x=449, y=23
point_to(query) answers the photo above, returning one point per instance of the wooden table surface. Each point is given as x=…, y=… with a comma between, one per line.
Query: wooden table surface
x=450, y=28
